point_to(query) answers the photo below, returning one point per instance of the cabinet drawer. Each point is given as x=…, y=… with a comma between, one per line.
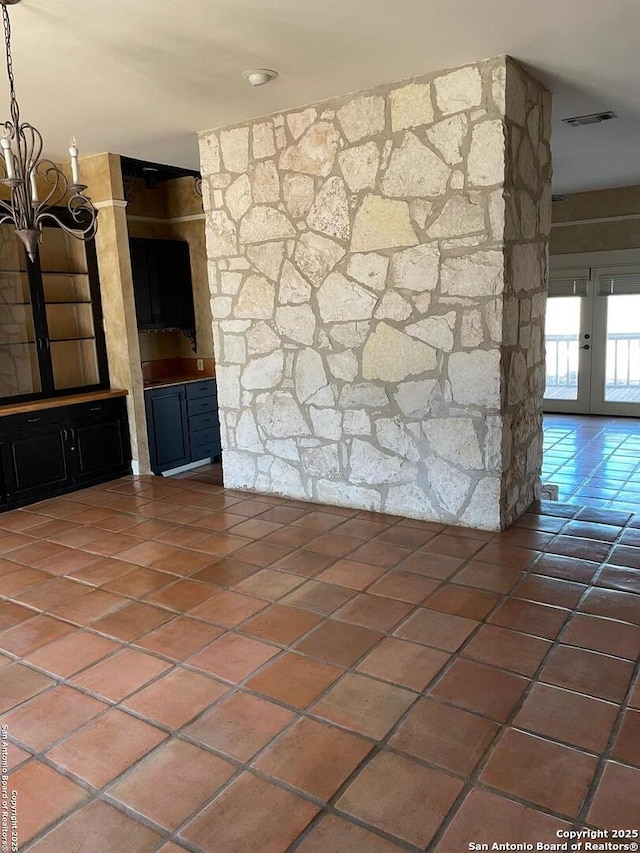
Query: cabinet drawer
x=205, y=421
x=205, y=436
x=31, y=420
x=200, y=407
x=99, y=410
x=195, y=390
x=204, y=451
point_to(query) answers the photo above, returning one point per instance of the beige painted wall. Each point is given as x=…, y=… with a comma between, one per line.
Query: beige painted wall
x=103, y=175
x=572, y=232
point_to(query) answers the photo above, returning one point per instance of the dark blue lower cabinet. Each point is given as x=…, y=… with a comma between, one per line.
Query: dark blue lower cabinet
x=183, y=424
x=168, y=428
x=51, y=451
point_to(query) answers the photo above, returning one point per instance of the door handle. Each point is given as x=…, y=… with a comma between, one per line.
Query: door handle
x=586, y=346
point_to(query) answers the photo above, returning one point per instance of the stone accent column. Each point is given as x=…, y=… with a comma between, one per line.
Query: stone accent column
x=527, y=191
x=377, y=269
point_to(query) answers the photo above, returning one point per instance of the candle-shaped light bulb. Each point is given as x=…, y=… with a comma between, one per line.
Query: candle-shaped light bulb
x=8, y=155
x=34, y=182
x=75, y=167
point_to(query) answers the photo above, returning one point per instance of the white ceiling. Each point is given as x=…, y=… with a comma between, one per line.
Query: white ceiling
x=141, y=77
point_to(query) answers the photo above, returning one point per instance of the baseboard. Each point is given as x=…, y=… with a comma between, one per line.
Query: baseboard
x=188, y=467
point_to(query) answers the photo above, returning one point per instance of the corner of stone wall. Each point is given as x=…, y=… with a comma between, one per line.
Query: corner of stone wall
x=357, y=267
x=527, y=193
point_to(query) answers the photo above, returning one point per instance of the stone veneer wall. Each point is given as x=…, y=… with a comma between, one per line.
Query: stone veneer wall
x=377, y=308
x=527, y=193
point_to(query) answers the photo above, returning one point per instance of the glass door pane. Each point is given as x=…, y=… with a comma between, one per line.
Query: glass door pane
x=19, y=367
x=562, y=339
x=67, y=295
x=622, y=372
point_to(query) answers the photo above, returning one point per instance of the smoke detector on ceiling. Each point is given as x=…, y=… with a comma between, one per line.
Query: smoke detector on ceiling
x=592, y=118
x=260, y=76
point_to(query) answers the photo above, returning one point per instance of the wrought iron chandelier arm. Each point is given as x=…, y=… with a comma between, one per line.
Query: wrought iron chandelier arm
x=22, y=148
x=6, y=209
x=84, y=230
x=48, y=170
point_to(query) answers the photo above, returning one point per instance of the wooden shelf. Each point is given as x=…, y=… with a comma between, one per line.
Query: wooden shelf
x=79, y=338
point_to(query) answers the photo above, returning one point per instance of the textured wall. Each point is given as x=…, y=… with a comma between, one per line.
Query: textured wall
x=373, y=300
x=527, y=192
x=104, y=177
x=572, y=231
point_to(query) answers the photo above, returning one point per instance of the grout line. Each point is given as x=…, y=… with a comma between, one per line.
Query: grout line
x=328, y=618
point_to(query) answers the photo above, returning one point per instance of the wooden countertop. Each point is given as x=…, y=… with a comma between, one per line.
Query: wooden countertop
x=56, y=402
x=174, y=380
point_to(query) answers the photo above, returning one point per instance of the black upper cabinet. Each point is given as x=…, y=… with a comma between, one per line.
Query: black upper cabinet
x=51, y=334
x=147, y=308
x=162, y=284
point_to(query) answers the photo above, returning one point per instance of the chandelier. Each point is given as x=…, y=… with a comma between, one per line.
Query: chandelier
x=23, y=165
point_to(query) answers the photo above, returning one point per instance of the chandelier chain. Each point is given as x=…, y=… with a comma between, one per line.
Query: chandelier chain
x=27, y=173
x=15, y=112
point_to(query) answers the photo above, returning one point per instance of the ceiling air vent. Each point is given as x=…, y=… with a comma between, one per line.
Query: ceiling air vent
x=594, y=118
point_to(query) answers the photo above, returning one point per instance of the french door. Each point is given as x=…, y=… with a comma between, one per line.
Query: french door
x=592, y=334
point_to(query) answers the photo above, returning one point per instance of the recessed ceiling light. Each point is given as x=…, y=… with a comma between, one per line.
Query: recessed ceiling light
x=260, y=76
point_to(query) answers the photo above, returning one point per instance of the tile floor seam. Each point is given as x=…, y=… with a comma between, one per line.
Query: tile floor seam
x=105, y=796
x=605, y=754
x=351, y=669
x=508, y=724
x=94, y=794
x=355, y=821
x=328, y=618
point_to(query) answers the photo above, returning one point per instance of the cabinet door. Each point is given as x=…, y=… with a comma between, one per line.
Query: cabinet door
x=174, y=284
x=167, y=425
x=144, y=269
x=100, y=448
x=36, y=463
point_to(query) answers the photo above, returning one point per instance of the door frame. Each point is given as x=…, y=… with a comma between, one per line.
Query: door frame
x=595, y=324
x=583, y=391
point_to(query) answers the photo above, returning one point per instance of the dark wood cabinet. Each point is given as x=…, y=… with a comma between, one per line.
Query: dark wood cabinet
x=167, y=427
x=51, y=335
x=183, y=424
x=100, y=440
x=143, y=272
x=36, y=464
x=162, y=284
x=53, y=451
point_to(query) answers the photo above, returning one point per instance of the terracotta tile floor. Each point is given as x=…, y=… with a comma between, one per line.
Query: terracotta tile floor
x=595, y=461
x=188, y=668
